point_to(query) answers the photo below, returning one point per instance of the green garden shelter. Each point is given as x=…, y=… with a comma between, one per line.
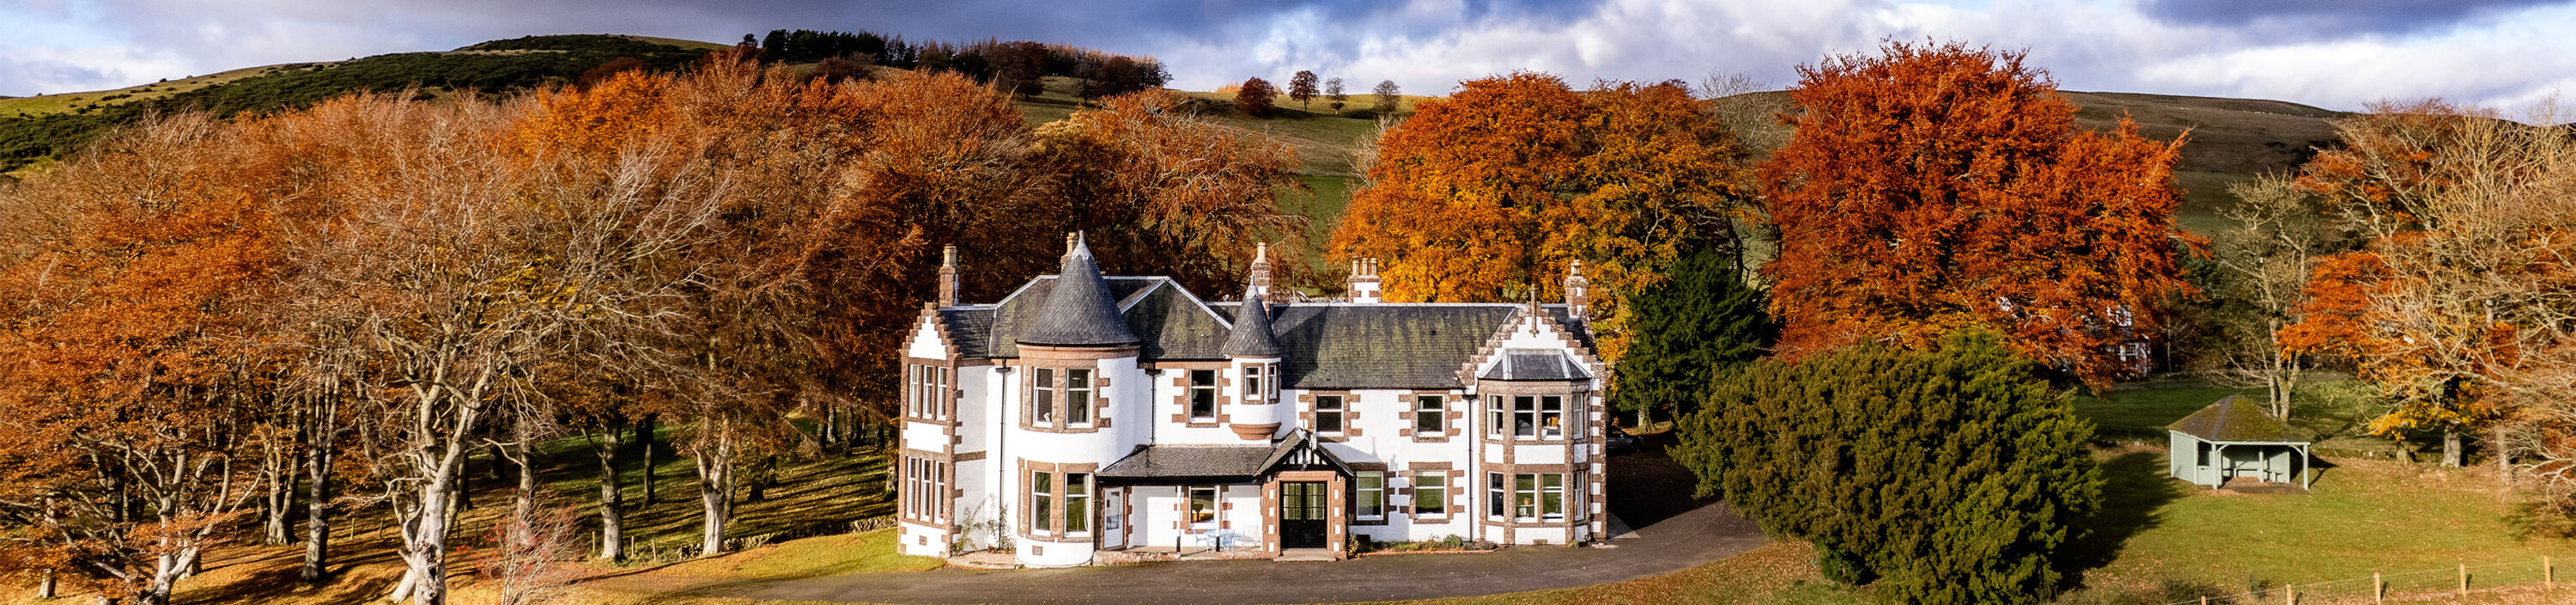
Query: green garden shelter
x=2236, y=439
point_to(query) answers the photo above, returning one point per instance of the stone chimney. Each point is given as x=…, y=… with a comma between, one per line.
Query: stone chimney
x=1260, y=270
x=1578, y=295
x=948, y=276
x=1365, y=287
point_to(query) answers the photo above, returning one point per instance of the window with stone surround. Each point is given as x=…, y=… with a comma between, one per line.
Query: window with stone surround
x=1370, y=491
x=1043, y=407
x=1203, y=395
x=1077, y=396
x=1426, y=415
x=1430, y=493
x=1202, y=506
x=1328, y=414
x=1525, y=496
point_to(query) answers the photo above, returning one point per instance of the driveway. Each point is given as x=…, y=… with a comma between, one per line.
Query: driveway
x=1691, y=538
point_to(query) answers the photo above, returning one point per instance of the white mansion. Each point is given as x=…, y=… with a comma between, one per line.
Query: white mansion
x=1085, y=414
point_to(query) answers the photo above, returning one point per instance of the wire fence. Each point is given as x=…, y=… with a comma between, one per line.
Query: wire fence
x=2410, y=586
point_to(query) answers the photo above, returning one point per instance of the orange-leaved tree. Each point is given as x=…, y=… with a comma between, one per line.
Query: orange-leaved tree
x=1931, y=188
x=2455, y=305
x=1486, y=195
x=1165, y=191
x=132, y=360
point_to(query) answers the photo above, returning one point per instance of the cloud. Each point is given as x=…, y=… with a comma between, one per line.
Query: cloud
x=2332, y=18
x=2333, y=53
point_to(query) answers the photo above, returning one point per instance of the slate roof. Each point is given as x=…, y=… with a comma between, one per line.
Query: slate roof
x=1251, y=336
x=1321, y=345
x=1535, y=364
x=1378, y=345
x=1165, y=461
x=1169, y=461
x=2236, y=419
x=1079, y=310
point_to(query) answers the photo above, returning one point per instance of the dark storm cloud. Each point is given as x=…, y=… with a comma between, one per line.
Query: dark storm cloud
x=2332, y=18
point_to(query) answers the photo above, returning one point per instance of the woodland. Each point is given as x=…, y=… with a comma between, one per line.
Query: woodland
x=317, y=293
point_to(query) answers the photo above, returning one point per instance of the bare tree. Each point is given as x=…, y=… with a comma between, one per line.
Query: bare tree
x=2263, y=262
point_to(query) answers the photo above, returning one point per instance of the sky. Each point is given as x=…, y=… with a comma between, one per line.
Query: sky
x=2337, y=54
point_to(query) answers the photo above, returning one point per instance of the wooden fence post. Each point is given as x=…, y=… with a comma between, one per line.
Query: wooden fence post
x=2548, y=575
x=2464, y=580
x=2378, y=589
x=2289, y=594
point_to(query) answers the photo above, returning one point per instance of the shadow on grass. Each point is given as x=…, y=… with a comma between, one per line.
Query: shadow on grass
x=2134, y=494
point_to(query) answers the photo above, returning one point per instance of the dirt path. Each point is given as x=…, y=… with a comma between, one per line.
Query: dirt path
x=1692, y=538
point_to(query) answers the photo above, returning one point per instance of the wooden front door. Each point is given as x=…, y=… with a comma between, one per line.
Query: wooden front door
x=1301, y=514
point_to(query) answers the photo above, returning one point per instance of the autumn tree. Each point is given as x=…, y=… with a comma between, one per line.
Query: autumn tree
x=2255, y=272
x=1254, y=97
x=1388, y=96
x=133, y=358
x=1301, y=87
x=2454, y=304
x=1930, y=188
x=1167, y=192
x=1333, y=92
x=1488, y=194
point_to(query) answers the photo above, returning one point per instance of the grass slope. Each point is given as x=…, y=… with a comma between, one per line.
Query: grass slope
x=2230, y=139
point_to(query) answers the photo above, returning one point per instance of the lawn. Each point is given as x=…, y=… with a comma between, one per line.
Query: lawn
x=2159, y=540
x=802, y=527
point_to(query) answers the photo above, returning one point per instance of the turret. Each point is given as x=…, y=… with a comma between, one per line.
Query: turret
x=1255, y=353
x=1078, y=310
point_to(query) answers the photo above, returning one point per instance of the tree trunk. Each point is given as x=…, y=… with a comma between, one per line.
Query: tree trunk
x=2450, y=448
x=715, y=484
x=2504, y=460
x=644, y=432
x=523, y=503
x=317, y=497
x=612, y=522
x=831, y=432
x=277, y=506
x=426, y=553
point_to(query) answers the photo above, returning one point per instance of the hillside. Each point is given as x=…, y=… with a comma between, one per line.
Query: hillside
x=2231, y=139
x=34, y=129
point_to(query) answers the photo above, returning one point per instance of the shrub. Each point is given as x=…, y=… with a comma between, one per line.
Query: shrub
x=1951, y=474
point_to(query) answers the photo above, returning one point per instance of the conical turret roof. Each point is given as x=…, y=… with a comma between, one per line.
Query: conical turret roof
x=1078, y=310
x=1251, y=335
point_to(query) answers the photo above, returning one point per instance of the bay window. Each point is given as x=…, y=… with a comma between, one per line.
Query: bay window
x=1077, y=396
x=1044, y=405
